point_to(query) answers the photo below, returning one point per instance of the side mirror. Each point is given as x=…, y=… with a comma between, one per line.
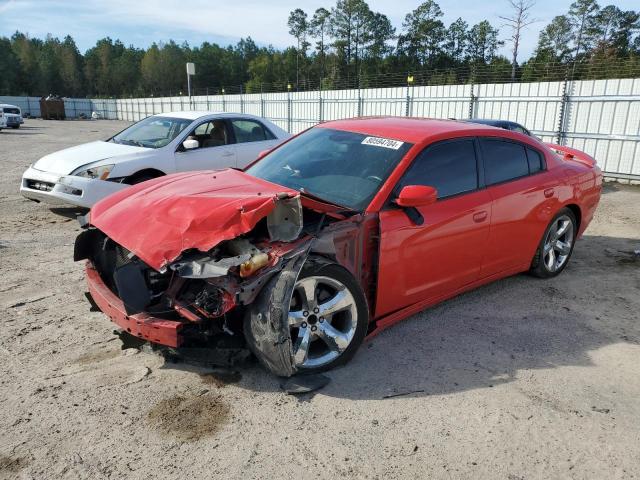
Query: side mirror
x=190, y=144
x=417, y=196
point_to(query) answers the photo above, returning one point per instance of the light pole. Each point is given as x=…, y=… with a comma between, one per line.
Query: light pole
x=191, y=70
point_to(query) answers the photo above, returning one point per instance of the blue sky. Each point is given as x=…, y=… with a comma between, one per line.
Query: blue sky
x=141, y=22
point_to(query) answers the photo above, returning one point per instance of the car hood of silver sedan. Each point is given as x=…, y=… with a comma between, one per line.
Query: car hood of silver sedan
x=66, y=161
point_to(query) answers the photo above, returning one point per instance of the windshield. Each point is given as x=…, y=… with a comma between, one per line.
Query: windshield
x=15, y=111
x=152, y=132
x=343, y=168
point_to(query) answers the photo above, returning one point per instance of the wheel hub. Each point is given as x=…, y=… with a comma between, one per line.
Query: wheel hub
x=558, y=243
x=322, y=320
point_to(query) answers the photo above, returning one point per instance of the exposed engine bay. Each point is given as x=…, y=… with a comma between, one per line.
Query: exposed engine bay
x=229, y=290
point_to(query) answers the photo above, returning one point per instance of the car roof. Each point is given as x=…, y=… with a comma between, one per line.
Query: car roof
x=496, y=123
x=2, y=105
x=407, y=129
x=197, y=114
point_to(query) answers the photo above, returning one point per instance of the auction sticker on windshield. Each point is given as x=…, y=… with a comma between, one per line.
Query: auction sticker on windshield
x=382, y=142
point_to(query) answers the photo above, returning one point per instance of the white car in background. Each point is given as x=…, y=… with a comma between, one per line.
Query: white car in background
x=158, y=145
x=10, y=116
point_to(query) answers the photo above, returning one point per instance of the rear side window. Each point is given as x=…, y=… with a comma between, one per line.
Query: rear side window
x=535, y=161
x=503, y=161
x=449, y=167
x=249, y=131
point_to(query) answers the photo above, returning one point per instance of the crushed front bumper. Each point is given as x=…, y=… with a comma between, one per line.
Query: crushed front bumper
x=141, y=325
x=65, y=190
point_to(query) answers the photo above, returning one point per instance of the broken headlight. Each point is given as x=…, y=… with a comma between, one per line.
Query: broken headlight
x=100, y=172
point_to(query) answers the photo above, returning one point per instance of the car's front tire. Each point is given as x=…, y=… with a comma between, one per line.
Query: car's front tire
x=328, y=318
x=556, y=246
x=142, y=176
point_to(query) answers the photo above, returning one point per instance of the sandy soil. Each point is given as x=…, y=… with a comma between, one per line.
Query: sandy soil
x=520, y=379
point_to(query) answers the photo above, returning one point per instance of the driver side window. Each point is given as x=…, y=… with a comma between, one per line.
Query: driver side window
x=450, y=167
x=211, y=134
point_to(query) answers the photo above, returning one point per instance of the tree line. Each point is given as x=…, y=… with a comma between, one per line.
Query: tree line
x=346, y=46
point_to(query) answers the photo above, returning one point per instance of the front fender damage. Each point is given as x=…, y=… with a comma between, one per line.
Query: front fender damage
x=220, y=278
x=266, y=323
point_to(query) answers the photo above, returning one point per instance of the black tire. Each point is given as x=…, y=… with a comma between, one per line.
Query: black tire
x=270, y=334
x=539, y=267
x=15, y=127
x=140, y=177
x=343, y=276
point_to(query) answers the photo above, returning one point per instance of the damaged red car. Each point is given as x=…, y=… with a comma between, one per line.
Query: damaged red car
x=336, y=234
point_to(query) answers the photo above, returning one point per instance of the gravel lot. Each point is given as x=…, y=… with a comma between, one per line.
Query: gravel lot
x=520, y=379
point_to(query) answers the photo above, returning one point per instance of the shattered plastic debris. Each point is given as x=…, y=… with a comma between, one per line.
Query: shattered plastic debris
x=304, y=384
x=284, y=223
x=206, y=267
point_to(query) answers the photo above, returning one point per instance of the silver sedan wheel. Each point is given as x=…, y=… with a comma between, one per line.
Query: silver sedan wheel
x=557, y=244
x=322, y=320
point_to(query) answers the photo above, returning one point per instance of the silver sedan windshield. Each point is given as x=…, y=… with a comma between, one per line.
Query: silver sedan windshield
x=152, y=132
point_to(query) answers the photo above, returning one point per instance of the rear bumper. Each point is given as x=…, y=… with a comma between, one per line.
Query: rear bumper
x=141, y=325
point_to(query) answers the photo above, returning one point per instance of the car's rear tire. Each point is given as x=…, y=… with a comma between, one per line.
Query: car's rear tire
x=15, y=127
x=328, y=318
x=556, y=246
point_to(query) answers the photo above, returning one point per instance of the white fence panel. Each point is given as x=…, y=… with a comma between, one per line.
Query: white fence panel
x=601, y=117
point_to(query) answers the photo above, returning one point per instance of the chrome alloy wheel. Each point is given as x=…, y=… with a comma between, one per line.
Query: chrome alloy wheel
x=557, y=244
x=322, y=320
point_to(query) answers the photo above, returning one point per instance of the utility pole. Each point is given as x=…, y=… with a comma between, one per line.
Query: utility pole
x=191, y=70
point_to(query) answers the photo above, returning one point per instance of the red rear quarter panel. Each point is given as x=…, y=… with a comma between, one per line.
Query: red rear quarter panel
x=586, y=187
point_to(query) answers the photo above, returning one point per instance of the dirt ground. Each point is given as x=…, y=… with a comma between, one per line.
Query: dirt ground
x=521, y=379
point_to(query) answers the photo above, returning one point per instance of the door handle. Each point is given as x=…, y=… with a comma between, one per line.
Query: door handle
x=227, y=154
x=549, y=192
x=480, y=216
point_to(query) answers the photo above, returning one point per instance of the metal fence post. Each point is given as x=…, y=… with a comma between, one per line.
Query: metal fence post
x=320, y=108
x=407, y=105
x=562, y=115
x=408, y=109
x=472, y=102
x=241, y=101
x=472, y=98
x=289, y=112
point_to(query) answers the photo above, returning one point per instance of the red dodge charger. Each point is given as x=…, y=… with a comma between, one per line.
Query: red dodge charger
x=336, y=234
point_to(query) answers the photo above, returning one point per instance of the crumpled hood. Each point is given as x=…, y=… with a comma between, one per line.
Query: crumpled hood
x=66, y=161
x=159, y=219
